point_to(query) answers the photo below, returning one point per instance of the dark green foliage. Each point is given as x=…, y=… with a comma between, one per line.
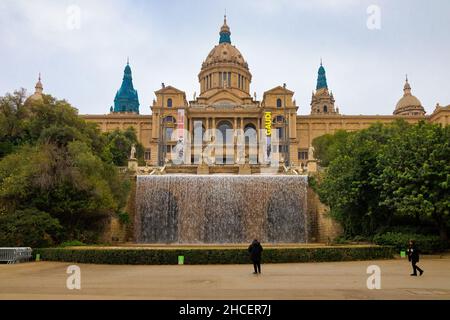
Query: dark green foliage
x=378, y=175
x=28, y=228
x=118, y=147
x=426, y=243
x=327, y=147
x=124, y=217
x=214, y=256
x=53, y=161
x=73, y=243
x=414, y=174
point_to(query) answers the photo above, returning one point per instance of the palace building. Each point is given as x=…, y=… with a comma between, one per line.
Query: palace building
x=226, y=108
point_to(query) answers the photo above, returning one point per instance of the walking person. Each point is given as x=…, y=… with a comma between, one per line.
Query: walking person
x=413, y=257
x=255, y=250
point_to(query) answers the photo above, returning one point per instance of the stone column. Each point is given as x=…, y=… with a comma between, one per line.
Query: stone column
x=155, y=125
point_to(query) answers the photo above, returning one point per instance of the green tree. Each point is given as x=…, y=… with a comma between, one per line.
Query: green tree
x=346, y=184
x=414, y=177
x=118, y=147
x=326, y=147
x=54, y=163
x=28, y=228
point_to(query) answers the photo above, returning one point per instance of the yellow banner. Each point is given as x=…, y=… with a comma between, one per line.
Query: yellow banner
x=268, y=123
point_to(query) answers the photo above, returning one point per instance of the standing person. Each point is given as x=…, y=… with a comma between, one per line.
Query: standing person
x=255, y=250
x=413, y=257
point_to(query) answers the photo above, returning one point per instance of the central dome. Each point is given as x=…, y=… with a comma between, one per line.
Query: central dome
x=225, y=68
x=225, y=53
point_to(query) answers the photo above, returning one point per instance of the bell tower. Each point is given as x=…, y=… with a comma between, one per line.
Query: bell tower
x=322, y=101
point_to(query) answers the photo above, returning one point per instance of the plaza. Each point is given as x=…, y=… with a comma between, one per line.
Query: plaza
x=335, y=280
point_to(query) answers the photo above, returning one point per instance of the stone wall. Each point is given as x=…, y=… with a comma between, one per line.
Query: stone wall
x=322, y=228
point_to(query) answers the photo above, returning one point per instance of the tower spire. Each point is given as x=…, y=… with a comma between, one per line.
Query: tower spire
x=322, y=78
x=225, y=34
x=126, y=99
x=39, y=88
x=407, y=87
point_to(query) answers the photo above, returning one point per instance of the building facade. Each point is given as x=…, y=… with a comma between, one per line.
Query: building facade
x=241, y=128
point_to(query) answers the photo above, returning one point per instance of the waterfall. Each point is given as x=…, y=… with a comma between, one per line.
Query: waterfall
x=221, y=209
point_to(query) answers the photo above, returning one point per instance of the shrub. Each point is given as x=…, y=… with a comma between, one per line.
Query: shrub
x=124, y=218
x=74, y=243
x=213, y=256
x=426, y=243
x=28, y=228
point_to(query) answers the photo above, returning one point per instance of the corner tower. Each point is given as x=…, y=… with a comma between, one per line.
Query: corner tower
x=322, y=101
x=38, y=92
x=409, y=105
x=126, y=100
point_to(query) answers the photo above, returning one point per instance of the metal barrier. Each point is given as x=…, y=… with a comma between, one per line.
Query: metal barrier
x=15, y=255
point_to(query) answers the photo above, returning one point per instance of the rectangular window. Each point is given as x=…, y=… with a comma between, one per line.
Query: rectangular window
x=168, y=149
x=280, y=132
x=302, y=154
x=147, y=154
x=220, y=80
x=229, y=79
x=169, y=133
x=239, y=81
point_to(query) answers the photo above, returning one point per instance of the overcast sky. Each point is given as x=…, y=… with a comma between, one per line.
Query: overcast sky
x=282, y=41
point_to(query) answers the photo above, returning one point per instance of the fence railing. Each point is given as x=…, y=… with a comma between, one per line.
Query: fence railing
x=15, y=255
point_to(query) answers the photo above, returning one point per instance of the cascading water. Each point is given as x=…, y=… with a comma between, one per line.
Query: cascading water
x=221, y=209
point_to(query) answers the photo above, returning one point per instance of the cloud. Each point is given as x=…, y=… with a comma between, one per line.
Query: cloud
x=282, y=41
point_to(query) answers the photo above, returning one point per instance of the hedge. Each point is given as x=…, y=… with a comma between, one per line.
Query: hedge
x=426, y=243
x=213, y=256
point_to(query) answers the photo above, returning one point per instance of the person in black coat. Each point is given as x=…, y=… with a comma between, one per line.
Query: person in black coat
x=413, y=257
x=255, y=250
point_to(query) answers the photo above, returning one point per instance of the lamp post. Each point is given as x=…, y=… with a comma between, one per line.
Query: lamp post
x=286, y=130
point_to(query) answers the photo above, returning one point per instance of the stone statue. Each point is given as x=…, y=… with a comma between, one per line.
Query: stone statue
x=311, y=153
x=133, y=152
x=179, y=152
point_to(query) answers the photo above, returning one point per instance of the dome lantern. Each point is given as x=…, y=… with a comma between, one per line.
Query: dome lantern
x=225, y=34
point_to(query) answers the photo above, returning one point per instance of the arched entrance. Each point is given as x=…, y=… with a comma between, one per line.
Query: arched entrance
x=224, y=147
x=251, y=144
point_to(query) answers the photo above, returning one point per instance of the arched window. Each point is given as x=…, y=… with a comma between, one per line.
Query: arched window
x=169, y=120
x=250, y=134
x=325, y=109
x=279, y=104
x=278, y=119
x=225, y=129
x=169, y=103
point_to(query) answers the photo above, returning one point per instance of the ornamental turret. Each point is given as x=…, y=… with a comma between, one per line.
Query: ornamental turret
x=126, y=100
x=322, y=101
